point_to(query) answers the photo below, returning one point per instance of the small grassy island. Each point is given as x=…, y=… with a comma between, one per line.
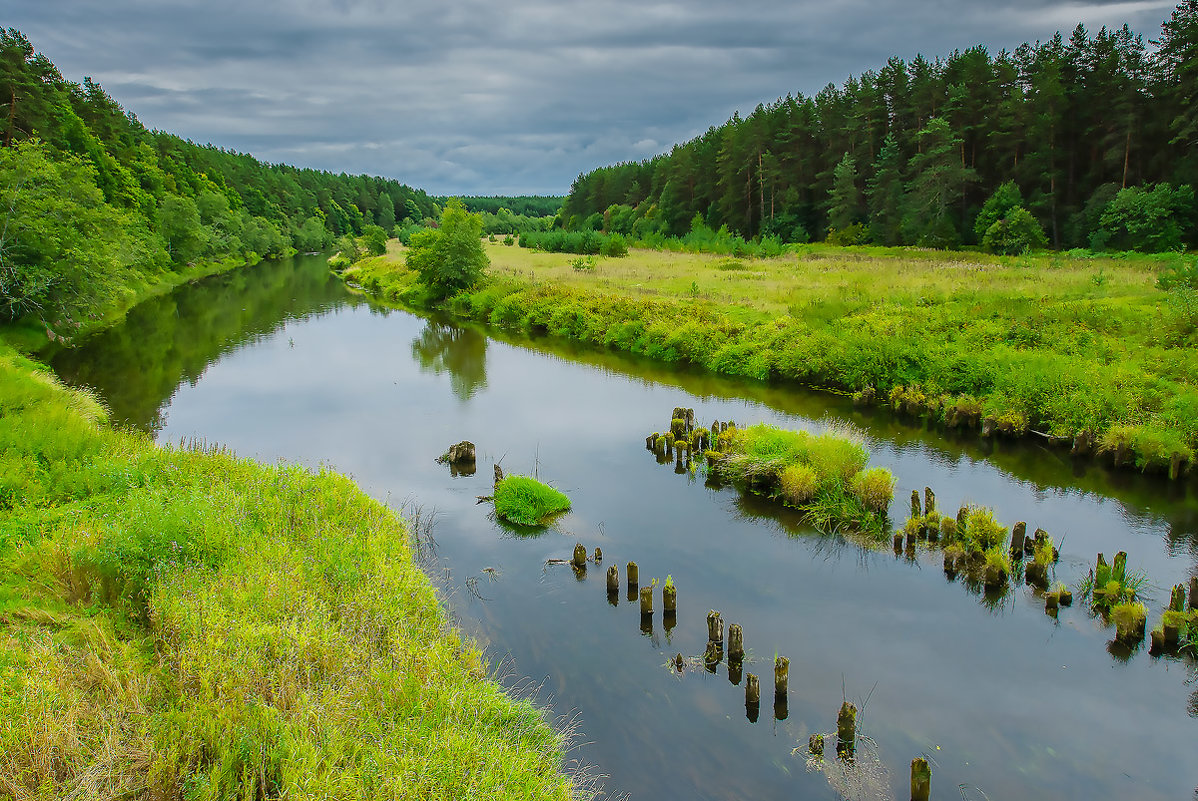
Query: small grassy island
x=528, y=502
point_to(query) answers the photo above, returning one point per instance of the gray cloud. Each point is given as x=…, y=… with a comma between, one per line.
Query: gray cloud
x=482, y=97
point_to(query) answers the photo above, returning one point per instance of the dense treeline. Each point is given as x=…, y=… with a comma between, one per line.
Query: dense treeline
x=91, y=200
x=520, y=205
x=1095, y=135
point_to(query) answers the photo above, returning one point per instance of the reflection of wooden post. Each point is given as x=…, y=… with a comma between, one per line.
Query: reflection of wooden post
x=736, y=642
x=715, y=627
x=646, y=601
x=580, y=555
x=613, y=580
x=921, y=780
x=815, y=745
x=712, y=656
x=781, y=675
x=846, y=730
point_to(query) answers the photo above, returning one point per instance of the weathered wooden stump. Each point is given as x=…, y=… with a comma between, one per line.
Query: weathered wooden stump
x=1172, y=632
x=613, y=580
x=1065, y=596
x=715, y=627
x=929, y=501
x=498, y=474
x=1052, y=602
x=669, y=599
x=598, y=554
x=712, y=656
x=846, y=730
x=1156, y=644
x=781, y=675
x=1119, y=565
x=752, y=689
x=736, y=642
x=916, y=510
x=1177, y=598
x=651, y=442
x=1194, y=593
x=1036, y=574
x=962, y=516
x=646, y=601
x=921, y=780
x=634, y=574
x=460, y=454
x=580, y=556
x=1018, y=535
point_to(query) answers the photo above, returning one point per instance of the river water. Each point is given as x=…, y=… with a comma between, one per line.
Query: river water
x=280, y=361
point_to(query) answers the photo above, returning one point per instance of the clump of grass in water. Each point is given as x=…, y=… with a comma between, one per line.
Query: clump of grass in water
x=1107, y=586
x=524, y=500
x=822, y=474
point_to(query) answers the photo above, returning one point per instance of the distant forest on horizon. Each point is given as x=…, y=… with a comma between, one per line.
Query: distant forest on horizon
x=910, y=153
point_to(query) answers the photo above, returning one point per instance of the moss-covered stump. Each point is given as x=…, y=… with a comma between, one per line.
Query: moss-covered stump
x=528, y=502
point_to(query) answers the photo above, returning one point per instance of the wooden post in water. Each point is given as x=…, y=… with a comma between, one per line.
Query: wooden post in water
x=929, y=501
x=669, y=599
x=736, y=643
x=781, y=676
x=1018, y=534
x=634, y=580
x=846, y=730
x=715, y=627
x=1177, y=598
x=651, y=442
x=712, y=656
x=1119, y=566
x=915, y=508
x=598, y=554
x=1194, y=593
x=752, y=689
x=646, y=601
x=962, y=516
x=580, y=555
x=613, y=580
x=921, y=780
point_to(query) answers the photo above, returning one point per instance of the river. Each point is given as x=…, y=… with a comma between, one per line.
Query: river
x=281, y=361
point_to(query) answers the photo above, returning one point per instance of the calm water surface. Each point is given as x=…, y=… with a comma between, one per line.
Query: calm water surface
x=279, y=361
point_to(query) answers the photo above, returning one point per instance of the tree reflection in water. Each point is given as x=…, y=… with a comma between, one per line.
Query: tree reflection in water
x=461, y=352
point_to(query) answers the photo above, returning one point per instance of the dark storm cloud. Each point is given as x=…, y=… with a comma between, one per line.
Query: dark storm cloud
x=485, y=97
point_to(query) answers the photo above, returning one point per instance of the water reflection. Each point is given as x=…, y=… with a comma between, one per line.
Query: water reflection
x=461, y=352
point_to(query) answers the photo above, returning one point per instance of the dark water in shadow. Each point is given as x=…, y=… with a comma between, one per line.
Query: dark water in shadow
x=280, y=362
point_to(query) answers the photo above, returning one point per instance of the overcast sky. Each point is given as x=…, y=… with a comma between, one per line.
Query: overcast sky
x=495, y=96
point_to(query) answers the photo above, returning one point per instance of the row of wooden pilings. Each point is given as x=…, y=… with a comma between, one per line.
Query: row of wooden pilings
x=846, y=721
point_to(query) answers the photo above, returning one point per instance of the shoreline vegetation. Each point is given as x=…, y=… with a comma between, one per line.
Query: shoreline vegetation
x=1088, y=352
x=181, y=622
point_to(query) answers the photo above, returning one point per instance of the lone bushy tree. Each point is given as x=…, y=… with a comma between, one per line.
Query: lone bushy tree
x=450, y=258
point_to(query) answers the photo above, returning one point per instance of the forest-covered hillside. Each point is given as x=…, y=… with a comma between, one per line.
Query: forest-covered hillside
x=91, y=199
x=1095, y=134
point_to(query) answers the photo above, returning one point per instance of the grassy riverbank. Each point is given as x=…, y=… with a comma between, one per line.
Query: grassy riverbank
x=184, y=623
x=1054, y=343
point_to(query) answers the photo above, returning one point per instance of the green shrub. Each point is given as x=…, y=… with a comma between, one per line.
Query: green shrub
x=1016, y=233
x=524, y=500
x=799, y=484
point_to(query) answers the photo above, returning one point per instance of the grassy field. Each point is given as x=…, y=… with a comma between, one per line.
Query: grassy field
x=1060, y=344
x=179, y=623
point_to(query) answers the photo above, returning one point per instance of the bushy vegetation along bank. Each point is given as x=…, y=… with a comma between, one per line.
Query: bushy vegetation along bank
x=1062, y=345
x=182, y=623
